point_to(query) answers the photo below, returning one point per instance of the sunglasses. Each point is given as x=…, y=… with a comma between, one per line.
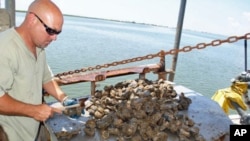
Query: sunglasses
x=49, y=30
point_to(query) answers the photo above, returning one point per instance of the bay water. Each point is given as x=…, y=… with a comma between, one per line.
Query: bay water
x=87, y=42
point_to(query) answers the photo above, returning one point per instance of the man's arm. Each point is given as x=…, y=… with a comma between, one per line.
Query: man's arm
x=53, y=89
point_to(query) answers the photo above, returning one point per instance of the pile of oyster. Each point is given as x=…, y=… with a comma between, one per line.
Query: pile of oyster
x=140, y=110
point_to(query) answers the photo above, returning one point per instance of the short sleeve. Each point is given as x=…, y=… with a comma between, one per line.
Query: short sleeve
x=6, y=74
x=48, y=75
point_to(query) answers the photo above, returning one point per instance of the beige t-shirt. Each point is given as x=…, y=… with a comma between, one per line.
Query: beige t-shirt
x=21, y=76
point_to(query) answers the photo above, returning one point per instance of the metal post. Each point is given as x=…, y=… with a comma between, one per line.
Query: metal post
x=93, y=87
x=162, y=70
x=245, y=45
x=11, y=8
x=178, y=37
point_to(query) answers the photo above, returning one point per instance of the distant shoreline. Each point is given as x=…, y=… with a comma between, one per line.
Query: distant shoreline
x=129, y=22
x=107, y=19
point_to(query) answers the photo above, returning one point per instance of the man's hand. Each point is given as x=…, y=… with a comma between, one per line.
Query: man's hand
x=71, y=106
x=44, y=112
x=69, y=101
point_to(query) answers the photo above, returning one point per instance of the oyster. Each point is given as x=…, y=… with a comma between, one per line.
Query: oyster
x=141, y=110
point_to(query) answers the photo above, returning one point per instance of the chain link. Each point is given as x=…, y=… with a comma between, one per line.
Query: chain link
x=213, y=43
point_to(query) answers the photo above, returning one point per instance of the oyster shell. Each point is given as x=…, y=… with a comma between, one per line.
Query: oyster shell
x=141, y=110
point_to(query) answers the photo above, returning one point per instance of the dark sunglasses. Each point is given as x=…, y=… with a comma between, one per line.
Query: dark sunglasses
x=49, y=30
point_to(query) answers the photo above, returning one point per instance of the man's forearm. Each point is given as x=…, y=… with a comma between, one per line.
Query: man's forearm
x=53, y=89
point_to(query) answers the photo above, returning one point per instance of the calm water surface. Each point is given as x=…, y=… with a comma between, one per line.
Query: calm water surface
x=87, y=42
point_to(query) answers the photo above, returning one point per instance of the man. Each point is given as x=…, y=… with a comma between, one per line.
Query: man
x=3, y=135
x=24, y=71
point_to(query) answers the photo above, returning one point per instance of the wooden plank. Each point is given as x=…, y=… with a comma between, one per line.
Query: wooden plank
x=100, y=76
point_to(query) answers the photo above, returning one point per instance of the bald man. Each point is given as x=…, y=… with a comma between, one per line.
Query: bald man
x=24, y=71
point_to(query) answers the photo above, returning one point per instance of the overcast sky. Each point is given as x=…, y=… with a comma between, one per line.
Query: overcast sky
x=227, y=17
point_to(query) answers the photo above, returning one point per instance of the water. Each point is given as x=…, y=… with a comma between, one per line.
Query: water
x=88, y=42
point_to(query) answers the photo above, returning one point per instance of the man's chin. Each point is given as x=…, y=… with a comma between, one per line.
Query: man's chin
x=42, y=47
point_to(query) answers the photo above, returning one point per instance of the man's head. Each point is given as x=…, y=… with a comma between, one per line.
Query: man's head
x=42, y=24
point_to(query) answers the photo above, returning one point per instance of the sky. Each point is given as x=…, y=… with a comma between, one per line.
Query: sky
x=226, y=17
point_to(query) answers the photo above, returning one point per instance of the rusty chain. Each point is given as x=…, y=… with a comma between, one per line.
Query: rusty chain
x=214, y=43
